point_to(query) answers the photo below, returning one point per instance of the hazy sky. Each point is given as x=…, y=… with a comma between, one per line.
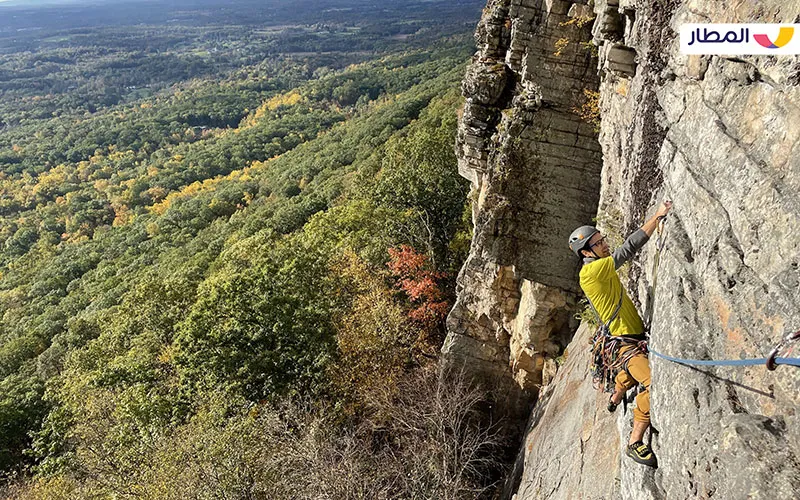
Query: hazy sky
x=33, y=2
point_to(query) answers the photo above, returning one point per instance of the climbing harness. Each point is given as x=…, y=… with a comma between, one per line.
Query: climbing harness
x=608, y=357
x=600, y=373
x=611, y=357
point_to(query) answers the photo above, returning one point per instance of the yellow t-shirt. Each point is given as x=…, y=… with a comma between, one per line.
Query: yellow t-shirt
x=600, y=282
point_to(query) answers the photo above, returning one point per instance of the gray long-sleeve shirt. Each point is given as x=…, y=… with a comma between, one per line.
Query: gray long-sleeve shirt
x=623, y=254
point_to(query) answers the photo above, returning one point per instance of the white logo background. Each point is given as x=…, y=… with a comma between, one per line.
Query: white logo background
x=735, y=39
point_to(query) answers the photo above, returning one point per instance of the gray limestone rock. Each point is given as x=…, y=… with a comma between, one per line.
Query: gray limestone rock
x=720, y=136
x=485, y=82
x=524, y=146
x=572, y=446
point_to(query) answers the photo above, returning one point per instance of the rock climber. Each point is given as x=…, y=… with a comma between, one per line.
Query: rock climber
x=601, y=284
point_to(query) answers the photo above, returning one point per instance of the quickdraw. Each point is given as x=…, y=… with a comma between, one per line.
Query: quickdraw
x=773, y=360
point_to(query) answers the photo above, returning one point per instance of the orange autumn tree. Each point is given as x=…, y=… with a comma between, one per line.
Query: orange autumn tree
x=414, y=276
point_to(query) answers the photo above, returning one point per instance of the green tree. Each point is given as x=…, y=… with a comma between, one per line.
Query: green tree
x=21, y=408
x=419, y=175
x=261, y=325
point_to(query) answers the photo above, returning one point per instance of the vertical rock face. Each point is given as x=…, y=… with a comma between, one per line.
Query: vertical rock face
x=718, y=135
x=535, y=171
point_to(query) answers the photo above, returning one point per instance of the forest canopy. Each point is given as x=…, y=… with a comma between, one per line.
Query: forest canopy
x=223, y=229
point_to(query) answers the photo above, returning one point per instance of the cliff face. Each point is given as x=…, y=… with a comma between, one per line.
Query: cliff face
x=529, y=155
x=720, y=136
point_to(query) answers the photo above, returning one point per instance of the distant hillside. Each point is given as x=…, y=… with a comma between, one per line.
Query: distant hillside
x=212, y=232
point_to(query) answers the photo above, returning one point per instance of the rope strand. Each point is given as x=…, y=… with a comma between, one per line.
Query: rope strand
x=726, y=362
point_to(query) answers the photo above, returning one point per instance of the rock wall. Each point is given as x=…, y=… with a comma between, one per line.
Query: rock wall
x=720, y=136
x=529, y=154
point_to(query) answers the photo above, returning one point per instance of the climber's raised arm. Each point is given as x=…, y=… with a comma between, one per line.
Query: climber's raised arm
x=636, y=241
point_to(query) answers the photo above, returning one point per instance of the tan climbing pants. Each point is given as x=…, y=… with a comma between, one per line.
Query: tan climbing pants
x=638, y=371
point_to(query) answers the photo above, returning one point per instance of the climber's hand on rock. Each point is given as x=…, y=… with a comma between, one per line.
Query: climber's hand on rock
x=652, y=223
x=664, y=209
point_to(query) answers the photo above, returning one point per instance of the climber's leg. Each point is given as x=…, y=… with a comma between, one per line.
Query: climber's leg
x=639, y=368
x=622, y=382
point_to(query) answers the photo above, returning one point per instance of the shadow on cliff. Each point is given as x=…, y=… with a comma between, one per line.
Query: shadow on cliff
x=730, y=382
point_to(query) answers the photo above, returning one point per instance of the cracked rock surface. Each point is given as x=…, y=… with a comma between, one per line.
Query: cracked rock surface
x=720, y=137
x=529, y=154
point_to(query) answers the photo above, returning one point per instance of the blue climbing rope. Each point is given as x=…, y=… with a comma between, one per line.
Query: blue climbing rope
x=726, y=362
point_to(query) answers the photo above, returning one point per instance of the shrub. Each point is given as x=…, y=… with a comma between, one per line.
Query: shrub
x=430, y=439
x=561, y=44
x=589, y=109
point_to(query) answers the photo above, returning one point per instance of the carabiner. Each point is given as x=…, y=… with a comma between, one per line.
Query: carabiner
x=771, y=364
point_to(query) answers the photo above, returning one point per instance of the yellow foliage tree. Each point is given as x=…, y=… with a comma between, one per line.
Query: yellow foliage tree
x=374, y=336
x=289, y=99
x=281, y=100
x=122, y=215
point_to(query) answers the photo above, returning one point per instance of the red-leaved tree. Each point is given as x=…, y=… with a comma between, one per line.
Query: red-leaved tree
x=412, y=271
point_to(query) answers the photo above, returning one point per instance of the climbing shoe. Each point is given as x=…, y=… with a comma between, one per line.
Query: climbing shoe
x=641, y=453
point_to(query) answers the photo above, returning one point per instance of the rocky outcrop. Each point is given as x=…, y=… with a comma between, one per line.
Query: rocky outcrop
x=720, y=136
x=571, y=448
x=529, y=154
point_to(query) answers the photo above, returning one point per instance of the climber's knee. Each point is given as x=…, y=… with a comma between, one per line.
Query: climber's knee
x=642, y=411
x=623, y=381
x=639, y=368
